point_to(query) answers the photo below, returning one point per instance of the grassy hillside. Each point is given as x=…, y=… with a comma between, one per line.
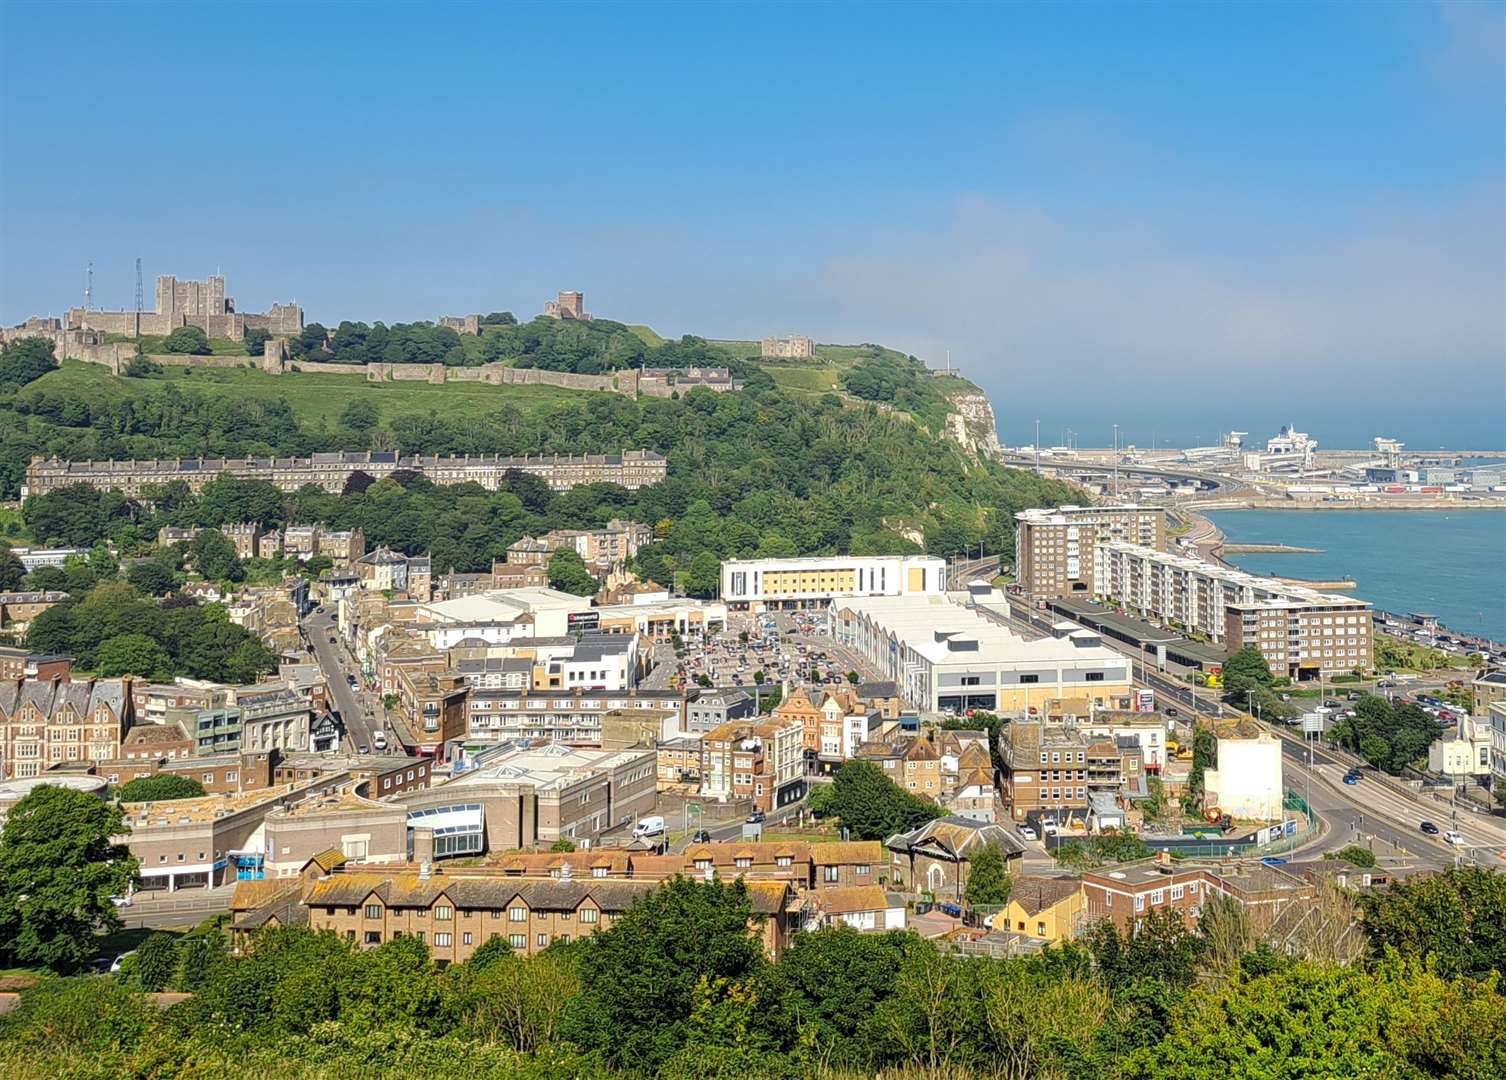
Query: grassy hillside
x=315, y=398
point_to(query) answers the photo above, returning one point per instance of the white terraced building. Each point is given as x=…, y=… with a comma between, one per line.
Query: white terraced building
x=1301, y=632
x=947, y=657
x=815, y=581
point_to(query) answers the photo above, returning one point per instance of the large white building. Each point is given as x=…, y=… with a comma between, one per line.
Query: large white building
x=1301, y=631
x=947, y=657
x=815, y=581
x=501, y=616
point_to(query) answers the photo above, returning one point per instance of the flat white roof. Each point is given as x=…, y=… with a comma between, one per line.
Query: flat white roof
x=554, y=765
x=505, y=605
x=926, y=624
x=818, y=562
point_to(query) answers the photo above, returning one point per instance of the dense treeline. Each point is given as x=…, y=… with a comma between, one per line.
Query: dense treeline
x=587, y=348
x=749, y=472
x=679, y=987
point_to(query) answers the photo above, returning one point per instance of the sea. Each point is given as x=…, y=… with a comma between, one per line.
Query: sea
x=1451, y=563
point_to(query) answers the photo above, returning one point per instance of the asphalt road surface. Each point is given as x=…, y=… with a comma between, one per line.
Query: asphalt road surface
x=352, y=703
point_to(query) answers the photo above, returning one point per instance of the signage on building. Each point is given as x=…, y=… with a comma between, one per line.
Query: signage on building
x=1145, y=700
x=583, y=620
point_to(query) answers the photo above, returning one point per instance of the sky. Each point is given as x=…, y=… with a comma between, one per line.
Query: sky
x=1181, y=218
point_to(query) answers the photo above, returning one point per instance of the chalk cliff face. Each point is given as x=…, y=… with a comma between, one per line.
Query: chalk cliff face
x=972, y=425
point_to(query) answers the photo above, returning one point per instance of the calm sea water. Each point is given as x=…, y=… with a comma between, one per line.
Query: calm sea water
x=1451, y=563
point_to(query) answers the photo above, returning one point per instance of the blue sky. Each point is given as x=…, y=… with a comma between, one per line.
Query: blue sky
x=1180, y=215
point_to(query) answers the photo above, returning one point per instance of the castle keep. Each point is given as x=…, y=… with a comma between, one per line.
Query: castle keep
x=188, y=303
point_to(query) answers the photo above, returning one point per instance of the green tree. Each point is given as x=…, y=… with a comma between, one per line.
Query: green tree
x=704, y=577
x=256, y=341
x=133, y=654
x=58, y=870
x=1244, y=672
x=156, y=963
x=360, y=415
x=874, y=807
x=1359, y=856
x=568, y=573
x=150, y=577
x=562, y=845
x=187, y=339
x=639, y=978
x=25, y=360
x=160, y=787
x=1456, y=918
x=12, y=569
x=214, y=556
x=987, y=879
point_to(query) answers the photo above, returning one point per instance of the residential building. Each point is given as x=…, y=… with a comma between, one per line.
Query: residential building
x=761, y=762
x=1051, y=908
x=815, y=581
x=45, y=723
x=1045, y=770
x=455, y=912
x=1055, y=550
x=1128, y=893
x=509, y=575
x=710, y=709
x=273, y=717
x=911, y=763
x=797, y=707
x=934, y=858
x=1497, y=716
x=1464, y=753
x=571, y=716
x=1303, y=633
x=600, y=549
x=865, y=908
x=24, y=664
x=946, y=657
x=17, y=609
x=435, y=707
x=806, y=866
x=631, y=469
x=1488, y=687
x=678, y=764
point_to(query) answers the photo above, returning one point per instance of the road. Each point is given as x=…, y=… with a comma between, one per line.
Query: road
x=360, y=711
x=962, y=571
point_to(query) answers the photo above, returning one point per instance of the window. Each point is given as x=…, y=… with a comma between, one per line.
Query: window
x=743, y=863
x=373, y=911
x=1095, y=676
x=862, y=871
x=518, y=941
x=1158, y=897
x=517, y=914
x=442, y=941
x=444, y=912
x=782, y=860
x=543, y=940
x=598, y=871
x=1140, y=902
x=1030, y=678
x=829, y=873
x=465, y=938
x=373, y=937
x=496, y=913
x=1177, y=891
x=589, y=914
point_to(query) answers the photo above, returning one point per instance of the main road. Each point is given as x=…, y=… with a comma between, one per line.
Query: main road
x=360, y=711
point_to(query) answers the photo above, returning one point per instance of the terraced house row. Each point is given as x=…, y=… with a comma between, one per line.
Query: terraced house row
x=46, y=722
x=631, y=469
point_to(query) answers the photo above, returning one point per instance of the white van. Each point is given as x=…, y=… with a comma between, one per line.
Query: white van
x=379, y=740
x=648, y=828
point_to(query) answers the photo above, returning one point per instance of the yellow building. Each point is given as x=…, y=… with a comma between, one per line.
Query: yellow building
x=1051, y=908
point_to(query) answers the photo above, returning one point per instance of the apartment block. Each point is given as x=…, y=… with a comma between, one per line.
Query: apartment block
x=1301, y=631
x=631, y=469
x=1045, y=770
x=761, y=762
x=50, y=722
x=1056, y=550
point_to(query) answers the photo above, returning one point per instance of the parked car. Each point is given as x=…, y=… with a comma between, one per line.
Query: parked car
x=1429, y=828
x=1272, y=860
x=115, y=967
x=1027, y=832
x=363, y=749
x=755, y=817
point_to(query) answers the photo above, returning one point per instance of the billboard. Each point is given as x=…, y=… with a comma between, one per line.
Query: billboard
x=1145, y=700
x=583, y=620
